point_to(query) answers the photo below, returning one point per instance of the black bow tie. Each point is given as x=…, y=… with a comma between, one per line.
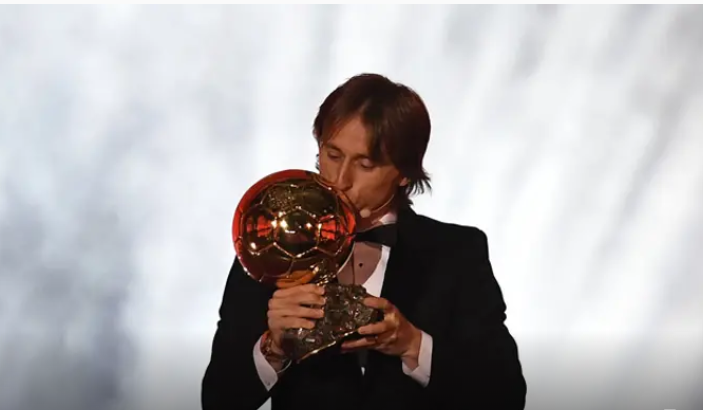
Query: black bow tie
x=384, y=234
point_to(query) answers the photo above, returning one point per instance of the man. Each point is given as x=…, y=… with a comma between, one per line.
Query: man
x=442, y=343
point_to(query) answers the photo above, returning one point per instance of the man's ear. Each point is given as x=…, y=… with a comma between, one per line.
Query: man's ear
x=404, y=181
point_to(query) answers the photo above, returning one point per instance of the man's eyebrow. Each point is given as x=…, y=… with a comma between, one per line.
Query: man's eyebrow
x=331, y=146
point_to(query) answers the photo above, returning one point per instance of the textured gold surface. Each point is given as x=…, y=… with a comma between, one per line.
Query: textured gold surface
x=291, y=228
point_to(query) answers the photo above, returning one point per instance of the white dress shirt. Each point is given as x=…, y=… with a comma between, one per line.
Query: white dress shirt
x=373, y=286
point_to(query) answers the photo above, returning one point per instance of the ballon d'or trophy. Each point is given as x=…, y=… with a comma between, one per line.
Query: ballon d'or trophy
x=292, y=228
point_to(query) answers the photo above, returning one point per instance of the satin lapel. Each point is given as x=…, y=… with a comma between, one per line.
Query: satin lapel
x=403, y=283
x=406, y=273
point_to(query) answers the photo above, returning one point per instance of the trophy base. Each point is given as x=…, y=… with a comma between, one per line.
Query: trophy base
x=345, y=313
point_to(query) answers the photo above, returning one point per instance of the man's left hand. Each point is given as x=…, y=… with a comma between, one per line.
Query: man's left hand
x=394, y=335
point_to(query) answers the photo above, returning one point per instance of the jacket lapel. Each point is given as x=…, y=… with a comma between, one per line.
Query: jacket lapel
x=406, y=271
x=405, y=277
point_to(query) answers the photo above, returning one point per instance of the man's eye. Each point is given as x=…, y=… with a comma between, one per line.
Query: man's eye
x=367, y=165
x=332, y=155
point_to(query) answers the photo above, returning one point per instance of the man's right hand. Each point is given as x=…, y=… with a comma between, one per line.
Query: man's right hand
x=294, y=307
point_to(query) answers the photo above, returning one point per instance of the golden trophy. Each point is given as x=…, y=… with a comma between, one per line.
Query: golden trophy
x=292, y=228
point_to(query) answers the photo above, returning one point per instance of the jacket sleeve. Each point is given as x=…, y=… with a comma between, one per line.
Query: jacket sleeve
x=231, y=380
x=476, y=364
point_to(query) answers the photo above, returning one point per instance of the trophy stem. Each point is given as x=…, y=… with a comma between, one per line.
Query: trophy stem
x=345, y=313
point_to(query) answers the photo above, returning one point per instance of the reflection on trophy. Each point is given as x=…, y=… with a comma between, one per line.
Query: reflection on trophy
x=292, y=228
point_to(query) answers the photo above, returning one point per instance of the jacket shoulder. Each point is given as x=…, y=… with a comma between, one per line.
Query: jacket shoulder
x=443, y=236
x=449, y=229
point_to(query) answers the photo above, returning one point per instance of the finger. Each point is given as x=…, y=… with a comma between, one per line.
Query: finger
x=362, y=343
x=294, y=290
x=375, y=328
x=288, y=322
x=378, y=303
x=309, y=299
x=296, y=311
x=308, y=288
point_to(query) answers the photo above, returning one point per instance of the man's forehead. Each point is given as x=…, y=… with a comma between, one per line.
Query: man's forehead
x=354, y=139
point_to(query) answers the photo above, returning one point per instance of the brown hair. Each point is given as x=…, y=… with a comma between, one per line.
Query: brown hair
x=396, y=119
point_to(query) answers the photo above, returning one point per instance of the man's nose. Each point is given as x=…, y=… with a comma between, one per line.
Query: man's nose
x=343, y=180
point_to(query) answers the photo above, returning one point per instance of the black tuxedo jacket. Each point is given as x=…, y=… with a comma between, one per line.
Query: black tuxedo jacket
x=440, y=277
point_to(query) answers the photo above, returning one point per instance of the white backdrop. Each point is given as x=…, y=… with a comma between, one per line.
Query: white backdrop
x=572, y=135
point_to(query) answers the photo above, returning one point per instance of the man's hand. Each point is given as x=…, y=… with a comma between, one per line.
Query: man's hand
x=394, y=336
x=294, y=307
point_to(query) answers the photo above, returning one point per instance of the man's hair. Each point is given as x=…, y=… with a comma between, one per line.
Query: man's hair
x=395, y=118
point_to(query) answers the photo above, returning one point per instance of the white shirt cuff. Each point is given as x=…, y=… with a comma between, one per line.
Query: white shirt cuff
x=266, y=372
x=421, y=373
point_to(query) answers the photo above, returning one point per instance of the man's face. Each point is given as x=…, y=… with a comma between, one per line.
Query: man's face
x=345, y=162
